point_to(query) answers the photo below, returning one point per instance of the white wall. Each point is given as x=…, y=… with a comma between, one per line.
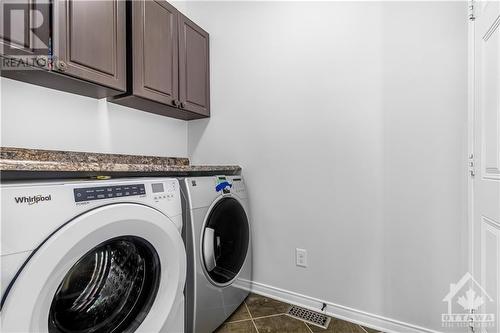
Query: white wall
x=37, y=117
x=349, y=120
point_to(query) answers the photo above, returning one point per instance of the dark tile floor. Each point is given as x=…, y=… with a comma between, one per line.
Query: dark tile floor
x=259, y=314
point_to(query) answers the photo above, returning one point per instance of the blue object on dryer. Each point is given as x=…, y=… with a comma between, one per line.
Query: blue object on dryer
x=222, y=186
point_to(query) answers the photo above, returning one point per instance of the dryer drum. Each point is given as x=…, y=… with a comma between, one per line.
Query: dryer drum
x=225, y=241
x=110, y=289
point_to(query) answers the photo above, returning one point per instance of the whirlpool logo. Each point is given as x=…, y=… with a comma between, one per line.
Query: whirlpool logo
x=33, y=200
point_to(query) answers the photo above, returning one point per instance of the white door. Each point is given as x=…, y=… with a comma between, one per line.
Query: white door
x=486, y=157
x=116, y=268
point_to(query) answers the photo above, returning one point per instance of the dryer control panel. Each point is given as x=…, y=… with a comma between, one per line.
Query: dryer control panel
x=108, y=192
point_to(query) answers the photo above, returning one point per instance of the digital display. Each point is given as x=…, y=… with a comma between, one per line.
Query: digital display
x=157, y=187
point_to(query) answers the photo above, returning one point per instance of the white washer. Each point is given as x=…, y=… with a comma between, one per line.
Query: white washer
x=87, y=256
x=218, y=246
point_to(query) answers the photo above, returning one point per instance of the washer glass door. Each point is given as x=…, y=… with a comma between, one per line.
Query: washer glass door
x=225, y=241
x=110, y=289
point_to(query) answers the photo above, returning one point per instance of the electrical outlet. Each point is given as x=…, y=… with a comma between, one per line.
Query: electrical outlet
x=301, y=257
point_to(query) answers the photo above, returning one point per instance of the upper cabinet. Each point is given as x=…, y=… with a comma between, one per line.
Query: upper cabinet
x=139, y=53
x=168, y=62
x=194, y=74
x=90, y=41
x=155, y=58
x=74, y=46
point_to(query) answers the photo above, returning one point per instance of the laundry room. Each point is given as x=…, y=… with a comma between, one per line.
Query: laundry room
x=250, y=166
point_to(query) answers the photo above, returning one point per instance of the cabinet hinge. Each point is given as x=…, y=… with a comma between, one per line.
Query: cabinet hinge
x=472, y=167
x=472, y=15
x=472, y=327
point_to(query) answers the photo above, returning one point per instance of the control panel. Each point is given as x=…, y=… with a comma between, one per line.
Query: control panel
x=108, y=192
x=160, y=192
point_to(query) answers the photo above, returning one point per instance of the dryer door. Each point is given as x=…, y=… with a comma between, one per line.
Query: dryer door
x=225, y=241
x=118, y=268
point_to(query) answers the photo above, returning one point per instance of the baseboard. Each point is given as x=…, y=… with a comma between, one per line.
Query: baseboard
x=335, y=310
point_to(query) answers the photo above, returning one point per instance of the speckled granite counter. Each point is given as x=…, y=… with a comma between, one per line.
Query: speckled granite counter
x=33, y=163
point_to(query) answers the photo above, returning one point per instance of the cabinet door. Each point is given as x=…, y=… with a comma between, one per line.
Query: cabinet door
x=155, y=51
x=89, y=40
x=194, y=74
x=25, y=28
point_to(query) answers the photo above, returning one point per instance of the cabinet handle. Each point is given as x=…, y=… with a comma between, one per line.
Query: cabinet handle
x=175, y=102
x=183, y=105
x=61, y=65
x=41, y=61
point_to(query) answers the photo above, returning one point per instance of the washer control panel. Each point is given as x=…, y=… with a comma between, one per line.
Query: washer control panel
x=161, y=192
x=108, y=192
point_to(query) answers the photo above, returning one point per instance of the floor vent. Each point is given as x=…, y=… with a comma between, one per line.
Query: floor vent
x=310, y=317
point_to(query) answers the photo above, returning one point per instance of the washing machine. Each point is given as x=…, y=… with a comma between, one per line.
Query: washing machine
x=92, y=256
x=218, y=247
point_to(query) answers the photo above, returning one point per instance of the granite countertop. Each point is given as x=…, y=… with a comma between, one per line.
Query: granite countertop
x=51, y=162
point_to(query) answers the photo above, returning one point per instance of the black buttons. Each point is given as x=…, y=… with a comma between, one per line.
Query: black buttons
x=108, y=192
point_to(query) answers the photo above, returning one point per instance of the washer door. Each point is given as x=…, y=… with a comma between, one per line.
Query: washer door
x=225, y=241
x=118, y=268
x=109, y=289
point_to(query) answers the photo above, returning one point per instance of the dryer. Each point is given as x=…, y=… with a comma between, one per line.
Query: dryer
x=217, y=235
x=92, y=256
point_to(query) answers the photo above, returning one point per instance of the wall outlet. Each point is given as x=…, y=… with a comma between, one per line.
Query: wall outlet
x=301, y=257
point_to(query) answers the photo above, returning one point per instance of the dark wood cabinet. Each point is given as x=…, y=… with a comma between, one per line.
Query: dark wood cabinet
x=194, y=67
x=90, y=41
x=155, y=51
x=139, y=53
x=81, y=46
x=167, y=62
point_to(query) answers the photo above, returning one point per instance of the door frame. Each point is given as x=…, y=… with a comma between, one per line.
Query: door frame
x=471, y=102
x=476, y=245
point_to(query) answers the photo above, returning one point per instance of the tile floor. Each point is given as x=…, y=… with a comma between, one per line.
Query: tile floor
x=259, y=314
